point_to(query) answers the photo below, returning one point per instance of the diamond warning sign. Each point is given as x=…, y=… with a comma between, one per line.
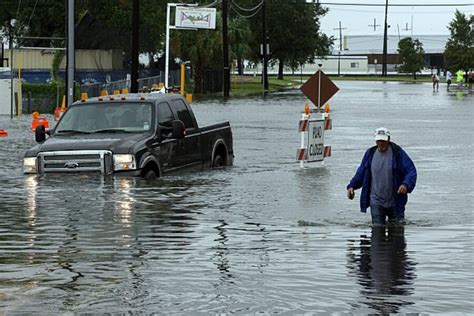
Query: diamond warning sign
x=319, y=88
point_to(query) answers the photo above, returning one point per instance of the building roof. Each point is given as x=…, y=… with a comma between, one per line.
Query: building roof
x=373, y=44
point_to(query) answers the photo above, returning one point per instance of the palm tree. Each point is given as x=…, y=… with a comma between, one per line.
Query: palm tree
x=239, y=37
x=203, y=48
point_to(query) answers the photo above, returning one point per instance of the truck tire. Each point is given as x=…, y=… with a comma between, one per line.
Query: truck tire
x=149, y=175
x=218, y=161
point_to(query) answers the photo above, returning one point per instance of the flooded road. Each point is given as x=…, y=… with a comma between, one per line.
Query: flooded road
x=261, y=236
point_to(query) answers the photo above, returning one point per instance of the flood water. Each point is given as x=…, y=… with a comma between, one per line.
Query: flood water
x=261, y=236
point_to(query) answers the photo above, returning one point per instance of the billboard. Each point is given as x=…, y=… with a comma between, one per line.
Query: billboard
x=195, y=18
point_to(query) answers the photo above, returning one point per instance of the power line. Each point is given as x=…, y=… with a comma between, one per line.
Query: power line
x=398, y=12
x=18, y=9
x=32, y=12
x=398, y=5
x=210, y=5
x=243, y=15
x=245, y=9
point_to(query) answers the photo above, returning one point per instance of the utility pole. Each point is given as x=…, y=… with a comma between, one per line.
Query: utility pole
x=135, y=38
x=70, y=56
x=384, y=56
x=340, y=28
x=265, y=61
x=225, y=48
x=406, y=27
x=3, y=52
x=375, y=25
x=11, y=68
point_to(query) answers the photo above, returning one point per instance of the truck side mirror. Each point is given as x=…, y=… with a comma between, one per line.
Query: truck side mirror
x=179, y=130
x=40, y=134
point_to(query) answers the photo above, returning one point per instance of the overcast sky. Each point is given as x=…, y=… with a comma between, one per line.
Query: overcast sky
x=426, y=19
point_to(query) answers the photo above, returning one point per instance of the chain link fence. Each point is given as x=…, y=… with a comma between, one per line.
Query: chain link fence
x=144, y=84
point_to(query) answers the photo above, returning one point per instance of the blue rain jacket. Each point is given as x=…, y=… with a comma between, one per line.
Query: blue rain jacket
x=404, y=172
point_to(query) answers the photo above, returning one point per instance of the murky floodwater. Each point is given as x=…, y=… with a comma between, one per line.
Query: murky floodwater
x=262, y=236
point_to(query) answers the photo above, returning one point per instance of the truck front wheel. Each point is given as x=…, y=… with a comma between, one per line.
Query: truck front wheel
x=150, y=171
x=149, y=174
x=218, y=161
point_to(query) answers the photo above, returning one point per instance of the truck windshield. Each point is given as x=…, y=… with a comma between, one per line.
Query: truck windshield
x=107, y=117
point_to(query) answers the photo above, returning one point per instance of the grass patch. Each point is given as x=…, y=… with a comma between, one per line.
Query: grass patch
x=396, y=78
x=248, y=85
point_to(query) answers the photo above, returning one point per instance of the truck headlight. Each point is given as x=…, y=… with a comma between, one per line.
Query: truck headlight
x=30, y=165
x=124, y=162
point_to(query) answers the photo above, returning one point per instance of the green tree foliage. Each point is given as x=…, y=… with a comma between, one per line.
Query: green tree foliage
x=203, y=48
x=459, y=50
x=239, y=35
x=293, y=31
x=46, y=18
x=107, y=23
x=411, y=56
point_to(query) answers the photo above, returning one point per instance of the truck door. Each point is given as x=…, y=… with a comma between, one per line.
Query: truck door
x=192, y=142
x=169, y=154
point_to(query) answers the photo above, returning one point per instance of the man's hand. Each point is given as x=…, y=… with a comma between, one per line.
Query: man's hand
x=402, y=189
x=350, y=193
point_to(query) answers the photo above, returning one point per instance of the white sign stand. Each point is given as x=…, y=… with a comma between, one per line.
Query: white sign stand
x=211, y=25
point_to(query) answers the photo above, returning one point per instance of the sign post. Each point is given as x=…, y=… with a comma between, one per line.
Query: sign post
x=187, y=17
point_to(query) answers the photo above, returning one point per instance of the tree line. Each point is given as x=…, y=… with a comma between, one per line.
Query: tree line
x=293, y=31
x=458, y=53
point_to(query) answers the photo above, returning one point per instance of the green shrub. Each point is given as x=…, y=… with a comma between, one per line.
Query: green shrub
x=42, y=97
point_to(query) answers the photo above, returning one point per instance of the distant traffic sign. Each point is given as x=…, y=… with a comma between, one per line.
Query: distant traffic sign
x=319, y=88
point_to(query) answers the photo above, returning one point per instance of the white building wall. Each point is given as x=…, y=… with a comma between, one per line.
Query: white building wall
x=348, y=65
x=5, y=93
x=85, y=59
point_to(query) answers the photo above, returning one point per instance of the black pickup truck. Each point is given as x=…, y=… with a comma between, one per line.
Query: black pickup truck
x=147, y=135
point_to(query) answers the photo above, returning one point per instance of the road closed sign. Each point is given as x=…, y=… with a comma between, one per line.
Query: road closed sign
x=315, y=148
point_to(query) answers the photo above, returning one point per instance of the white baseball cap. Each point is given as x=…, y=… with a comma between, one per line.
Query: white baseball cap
x=382, y=133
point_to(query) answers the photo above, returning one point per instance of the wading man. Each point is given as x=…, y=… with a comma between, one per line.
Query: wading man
x=386, y=175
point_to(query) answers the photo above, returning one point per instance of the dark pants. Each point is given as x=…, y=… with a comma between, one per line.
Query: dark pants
x=380, y=213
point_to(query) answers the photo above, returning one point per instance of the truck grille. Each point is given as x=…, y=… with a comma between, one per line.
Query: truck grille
x=75, y=161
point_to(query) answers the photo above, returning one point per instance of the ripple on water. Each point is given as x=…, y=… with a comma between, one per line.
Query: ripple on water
x=262, y=236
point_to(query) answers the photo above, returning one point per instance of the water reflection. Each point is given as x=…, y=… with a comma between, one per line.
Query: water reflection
x=222, y=251
x=125, y=204
x=383, y=269
x=31, y=185
x=313, y=180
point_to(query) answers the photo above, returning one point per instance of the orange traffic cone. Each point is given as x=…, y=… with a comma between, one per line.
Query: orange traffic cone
x=38, y=120
x=59, y=110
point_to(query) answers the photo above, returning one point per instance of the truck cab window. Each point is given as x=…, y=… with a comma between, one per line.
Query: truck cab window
x=165, y=115
x=183, y=114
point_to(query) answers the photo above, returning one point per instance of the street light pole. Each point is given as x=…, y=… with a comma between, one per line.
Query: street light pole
x=384, y=56
x=70, y=58
x=135, y=38
x=11, y=71
x=265, y=60
x=340, y=28
x=225, y=49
